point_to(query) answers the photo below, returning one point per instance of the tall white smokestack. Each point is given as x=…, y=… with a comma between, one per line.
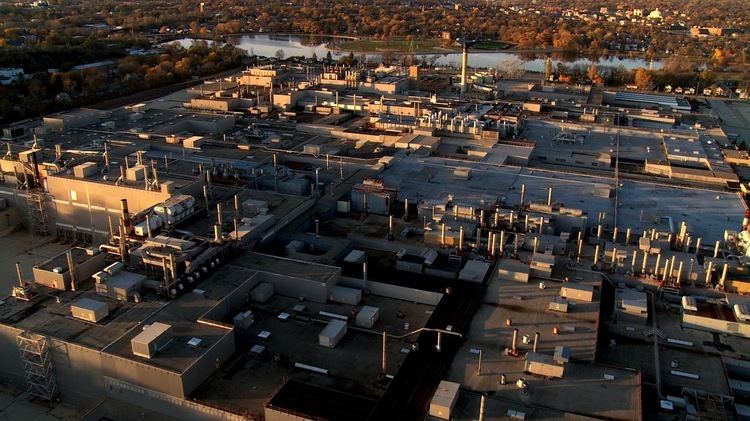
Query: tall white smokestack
x=464, y=66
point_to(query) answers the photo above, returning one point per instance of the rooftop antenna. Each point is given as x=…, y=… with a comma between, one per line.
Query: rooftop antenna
x=106, y=156
x=156, y=174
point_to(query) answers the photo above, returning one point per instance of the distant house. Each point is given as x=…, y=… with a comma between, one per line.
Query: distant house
x=106, y=64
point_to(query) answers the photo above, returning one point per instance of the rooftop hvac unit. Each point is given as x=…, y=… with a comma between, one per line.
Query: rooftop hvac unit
x=689, y=303
x=367, y=316
x=333, y=332
x=89, y=310
x=154, y=338
x=444, y=399
x=742, y=312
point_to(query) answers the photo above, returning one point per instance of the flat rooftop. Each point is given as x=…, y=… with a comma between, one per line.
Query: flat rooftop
x=526, y=305
x=282, y=266
x=46, y=315
x=61, y=260
x=353, y=365
x=303, y=399
x=182, y=314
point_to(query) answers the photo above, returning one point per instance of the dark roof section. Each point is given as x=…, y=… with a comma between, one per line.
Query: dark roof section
x=319, y=403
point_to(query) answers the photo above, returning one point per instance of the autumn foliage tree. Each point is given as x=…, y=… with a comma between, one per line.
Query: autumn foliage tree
x=643, y=79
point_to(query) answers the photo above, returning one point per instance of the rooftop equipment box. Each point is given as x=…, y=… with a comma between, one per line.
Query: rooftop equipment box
x=90, y=310
x=331, y=334
x=153, y=338
x=262, y=292
x=577, y=292
x=244, y=320
x=135, y=173
x=543, y=365
x=85, y=170
x=367, y=316
x=558, y=304
x=345, y=295
x=444, y=399
x=513, y=270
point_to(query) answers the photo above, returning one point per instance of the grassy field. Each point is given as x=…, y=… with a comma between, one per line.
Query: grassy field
x=421, y=45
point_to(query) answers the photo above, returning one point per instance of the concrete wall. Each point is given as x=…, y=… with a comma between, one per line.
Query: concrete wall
x=276, y=415
x=16, y=200
x=11, y=368
x=297, y=287
x=165, y=404
x=143, y=375
x=78, y=370
x=197, y=373
x=393, y=291
x=232, y=303
x=95, y=201
x=62, y=280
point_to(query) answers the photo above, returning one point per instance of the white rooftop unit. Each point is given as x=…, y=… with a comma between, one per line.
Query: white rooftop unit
x=742, y=312
x=513, y=270
x=367, y=316
x=244, y=319
x=344, y=295
x=89, y=310
x=153, y=338
x=444, y=399
x=135, y=173
x=558, y=304
x=87, y=169
x=262, y=292
x=578, y=292
x=689, y=303
x=543, y=365
x=331, y=334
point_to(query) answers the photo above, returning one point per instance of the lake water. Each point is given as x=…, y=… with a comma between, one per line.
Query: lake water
x=295, y=45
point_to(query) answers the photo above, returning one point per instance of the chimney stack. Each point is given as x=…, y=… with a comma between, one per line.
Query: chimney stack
x=536, y=341
x=549, y=196
x=19, y=273
x=217, y=233
x=514, y=341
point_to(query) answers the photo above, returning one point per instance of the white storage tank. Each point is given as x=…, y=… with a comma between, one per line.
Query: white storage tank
x=331, y=334
x=367, y=316
x=89, y=310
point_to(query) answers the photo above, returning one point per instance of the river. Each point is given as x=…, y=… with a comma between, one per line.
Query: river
x=296, y=45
